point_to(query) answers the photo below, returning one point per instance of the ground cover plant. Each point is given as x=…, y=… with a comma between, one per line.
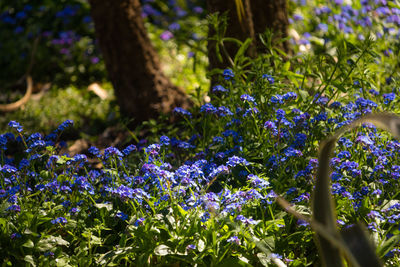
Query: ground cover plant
x=203, y=191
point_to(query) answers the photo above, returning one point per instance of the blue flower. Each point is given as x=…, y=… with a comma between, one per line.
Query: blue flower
x=112, y=151
x=164, y=141
x=15, y=125
x=246, y=221
x=190, y=247
x=277, y=99
x=14, y=208
x=256, y=181
x=139, y=222
x=59, y=220
x=300, y=140
x=322, y=27
x=208, y=108
x=65, y=125
x=248, y=98
x=344, y=154
x=129, y=149
x=219, y=89
x=388, y=98
x=222, y=169
x=234, y=239
x=228, y=74
x=14, y=236
x=373, y=92
x=224, y=111
x=182, y=112
x=290, y=96
x=94, y=151
x=235, y=160
x=122, y=216
x=269, y=78
x=364, y=140
x=205, y=216
x=292, y=152
x=335, y=105
x=49, y=254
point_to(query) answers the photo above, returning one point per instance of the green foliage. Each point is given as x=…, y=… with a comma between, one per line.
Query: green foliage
x=202, y=190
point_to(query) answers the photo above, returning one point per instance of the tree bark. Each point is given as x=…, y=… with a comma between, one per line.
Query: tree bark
x=270, y=14
x=259, y=15
x=133, y=65
x=239, y=30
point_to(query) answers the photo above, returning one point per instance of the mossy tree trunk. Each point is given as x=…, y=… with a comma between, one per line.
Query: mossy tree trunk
x=133, y=65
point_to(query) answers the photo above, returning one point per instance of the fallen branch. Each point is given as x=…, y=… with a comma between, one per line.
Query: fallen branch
x=14, y=106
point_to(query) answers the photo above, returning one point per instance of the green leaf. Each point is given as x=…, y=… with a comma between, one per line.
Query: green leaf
x=286, y=66
x=28, y=244
x=108, y=207
x=3, y=223
x=162, y=250
x=44, y=245
x=388, y=245
x=233, y=261
x=201, y=245
x=242, y=49
x=29, y=259
x=50, y=242
x=264, y=260
x=304, y=94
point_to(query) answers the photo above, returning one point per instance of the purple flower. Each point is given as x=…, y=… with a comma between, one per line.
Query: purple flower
x=198, y=9
x=14, y=208
x=291, y=152
x=270, y=125
x=174, y=26
x=14, y=236
x=190, y=247
x=49, y=254
x=234, y=239
x=302, y=223
x=364, y=140
x=166, y=35
x=257, y=181
x=112, y=151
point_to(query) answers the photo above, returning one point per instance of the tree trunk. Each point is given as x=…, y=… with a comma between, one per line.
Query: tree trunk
x=259, y=15
x=239, y=30
x=271, y=14
x=133, y=65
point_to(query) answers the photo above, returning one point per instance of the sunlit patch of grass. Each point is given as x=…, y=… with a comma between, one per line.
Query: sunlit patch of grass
x=88, y=111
